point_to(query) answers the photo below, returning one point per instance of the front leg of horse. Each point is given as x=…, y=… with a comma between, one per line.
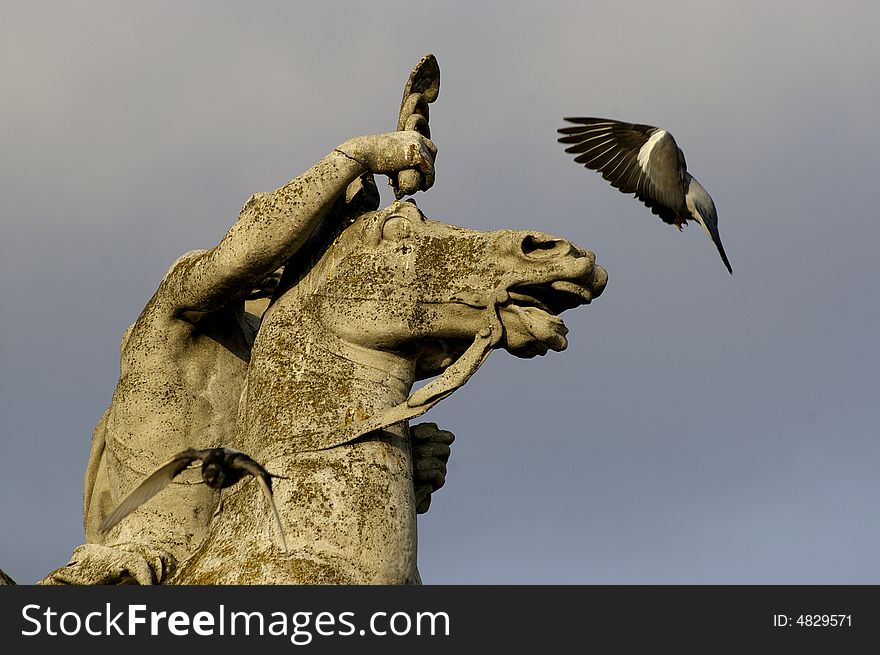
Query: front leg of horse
x=349, y=518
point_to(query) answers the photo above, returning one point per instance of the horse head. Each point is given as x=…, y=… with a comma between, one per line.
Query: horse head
x=397, y=281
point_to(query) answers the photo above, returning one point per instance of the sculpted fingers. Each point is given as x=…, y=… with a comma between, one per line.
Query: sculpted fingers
x=423, y=498
x=427, y=168
x=425, y=432
x=430, y=453
x=429, y=475
x=419, y=175
x=431, y=472
x=432, y=450
x=395, y=153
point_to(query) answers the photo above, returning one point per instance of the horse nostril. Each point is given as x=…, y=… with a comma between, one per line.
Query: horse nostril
x=542, y=246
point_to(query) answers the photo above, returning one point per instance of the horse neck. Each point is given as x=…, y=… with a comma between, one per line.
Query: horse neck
x=369, y=379
x=317, y=381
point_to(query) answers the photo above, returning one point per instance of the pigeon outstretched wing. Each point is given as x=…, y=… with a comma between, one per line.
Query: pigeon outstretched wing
x=152, y=485
x=640, y=159
x=264, y=479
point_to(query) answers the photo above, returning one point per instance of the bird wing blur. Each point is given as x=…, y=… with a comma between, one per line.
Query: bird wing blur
x=155, y=483
x=162, y=477
x=264, y=479
x=643, y=160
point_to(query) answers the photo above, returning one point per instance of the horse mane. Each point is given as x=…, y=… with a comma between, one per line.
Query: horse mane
x=362, y=197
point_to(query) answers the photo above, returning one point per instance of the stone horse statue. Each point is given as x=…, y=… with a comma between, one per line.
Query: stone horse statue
x=389, y=298
x=320, y=389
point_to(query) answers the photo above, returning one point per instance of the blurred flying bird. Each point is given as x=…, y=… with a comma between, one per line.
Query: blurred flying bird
x=221, y=467
x=645, y=161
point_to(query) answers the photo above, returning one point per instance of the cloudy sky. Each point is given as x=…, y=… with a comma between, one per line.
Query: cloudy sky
x=700, y=428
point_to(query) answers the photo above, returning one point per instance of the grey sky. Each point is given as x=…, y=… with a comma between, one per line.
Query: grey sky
x=701, y=428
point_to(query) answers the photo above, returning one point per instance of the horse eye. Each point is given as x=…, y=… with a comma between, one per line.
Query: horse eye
x=396, y=228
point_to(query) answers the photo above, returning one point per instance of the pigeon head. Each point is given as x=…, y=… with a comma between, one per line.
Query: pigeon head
x=214, y=473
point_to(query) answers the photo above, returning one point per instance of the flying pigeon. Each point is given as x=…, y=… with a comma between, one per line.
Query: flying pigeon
x=645, y=161
x=221, y=467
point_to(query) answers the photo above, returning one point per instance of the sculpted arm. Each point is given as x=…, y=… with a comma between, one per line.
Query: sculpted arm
x=273, y=226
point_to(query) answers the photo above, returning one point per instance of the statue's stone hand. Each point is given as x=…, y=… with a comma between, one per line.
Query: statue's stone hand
x=430, y=454
x=127, y=563
x=394, y=152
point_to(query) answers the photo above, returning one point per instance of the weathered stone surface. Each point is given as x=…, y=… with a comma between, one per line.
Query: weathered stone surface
x=5, y=579
x=316, y=385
